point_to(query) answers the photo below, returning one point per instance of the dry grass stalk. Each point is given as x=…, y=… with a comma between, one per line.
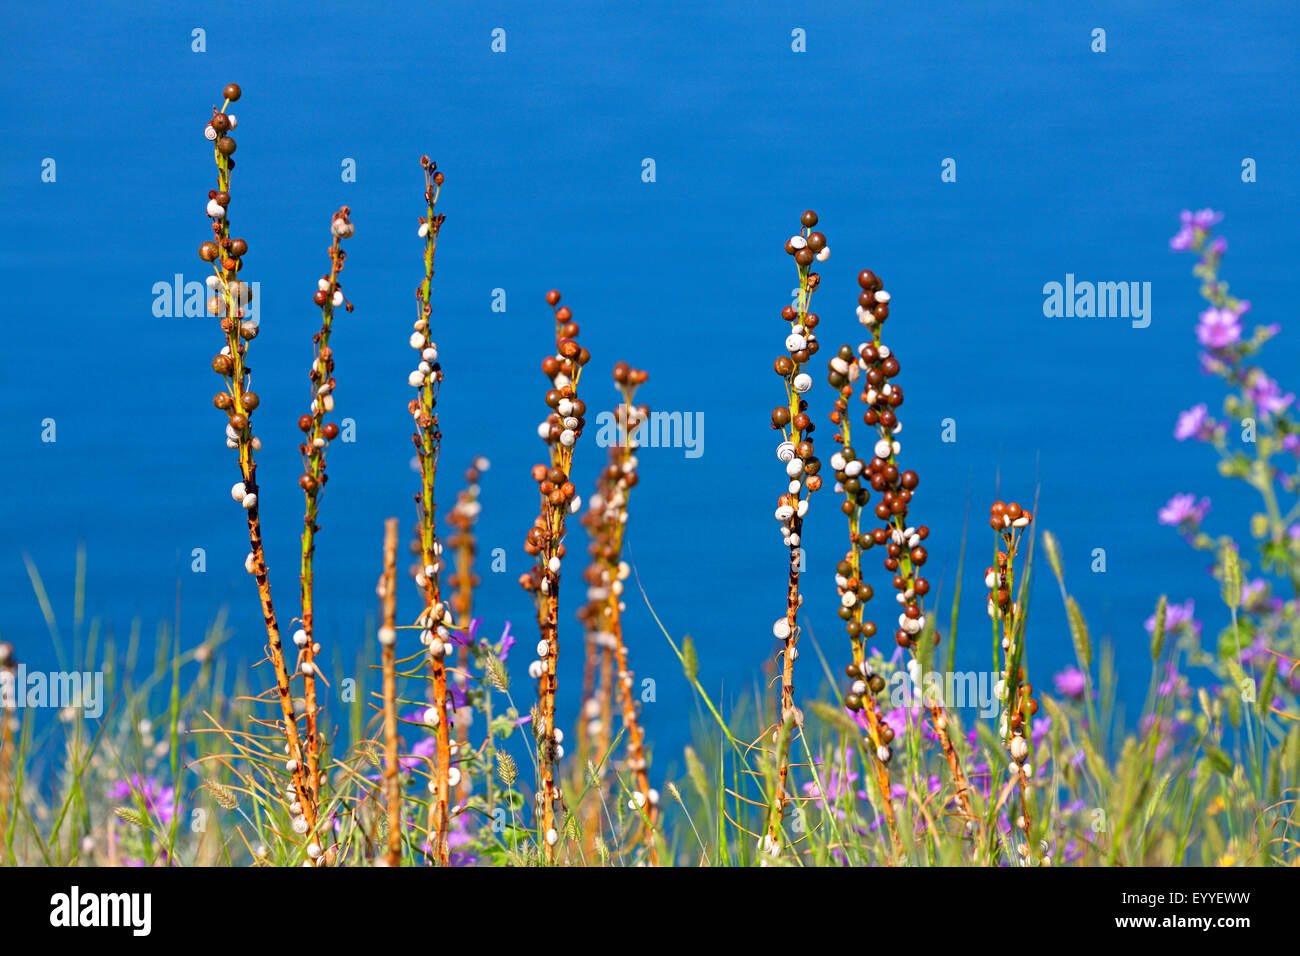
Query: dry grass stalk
x=905, y=553
x=843, y=372
x=328, y=296
x=387, y=591
x=436, y=617
x=462, y=517
x=801, y=467
x=1016, y=694
x=606, y=522
x=545, y=541
x=230, y=298
x=462, y=581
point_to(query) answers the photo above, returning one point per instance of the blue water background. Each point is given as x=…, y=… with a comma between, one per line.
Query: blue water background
x=1068, y=161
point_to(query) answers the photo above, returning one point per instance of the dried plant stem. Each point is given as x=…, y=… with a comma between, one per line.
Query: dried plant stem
x=388, y=643
x=561, y=431
x=435, y=617
x=594, y=721
x=607, y=523
x=844, y=371
x=318, y=436
x=605, y=702
x=802, y=466
x=961, y=786
x=1018, y=704
x=461, y=582
x=590, y=701
x=939, y=720
x=226, y=254
x=905, y=552
x=549, y=684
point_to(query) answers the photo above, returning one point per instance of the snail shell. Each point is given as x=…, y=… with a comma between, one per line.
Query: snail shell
x=785, y=451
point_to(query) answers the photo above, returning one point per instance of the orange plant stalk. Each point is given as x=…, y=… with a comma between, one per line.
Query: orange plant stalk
x=801, y=468
x=328, y=296
x=1016, y=697
x=606, y=521
x=461, y=583
x=388, y=648
x=436, y=617
x=545, y=541
x=843, y=372
x=905, y=553
x=230, y=298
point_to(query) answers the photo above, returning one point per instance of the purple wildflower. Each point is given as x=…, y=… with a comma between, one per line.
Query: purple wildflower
x=1255, y=595
x=836, y=786
x=1256, y=653
x=1070, y=682
x=506, y=642
x=1184, y=510
x=901, y=719
x=1219, y=328
x=1193, y=423
x=1193, y=229
x=159, y=801
x=1177, y=616
x=1268, y=396
x=1202, y=219
x=1173, y=683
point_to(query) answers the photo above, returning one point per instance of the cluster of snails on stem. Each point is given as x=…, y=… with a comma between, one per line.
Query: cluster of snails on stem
x=905, y=552
x=602, y=616
x=561, y=430
x=435, y=620
x=318, y=434
x=230, y=297
x=461, y=519
x=1009, y=521
x=853, y=481
x=461, y=582
x=796, y=426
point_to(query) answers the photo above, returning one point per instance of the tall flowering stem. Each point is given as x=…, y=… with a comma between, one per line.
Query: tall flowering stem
x=387, y=591
x=436, y=618
x=851, y=480
x=318, y=434
x=791, y=419
x=545, y=541
x=606, y=522
x=905, y=554
x=1015, y=693
x=1267, y=461
x=230, y=298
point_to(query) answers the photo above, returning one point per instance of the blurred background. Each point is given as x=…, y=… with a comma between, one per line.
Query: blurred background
x=1067, y=161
